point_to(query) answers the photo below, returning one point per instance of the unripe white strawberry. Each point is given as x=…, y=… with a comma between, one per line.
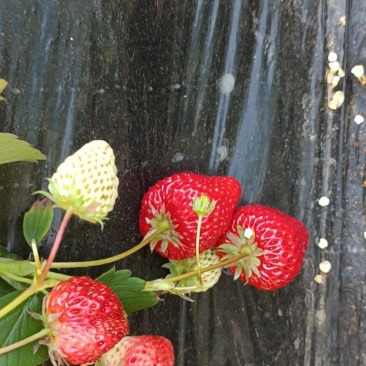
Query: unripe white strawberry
x=143, y=350
x=87, y=182
x=192, y=284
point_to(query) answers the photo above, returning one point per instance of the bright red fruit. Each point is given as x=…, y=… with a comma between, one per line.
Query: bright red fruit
x=275, y=252
x=85, y=318
x=170, y=202
x=146, y=350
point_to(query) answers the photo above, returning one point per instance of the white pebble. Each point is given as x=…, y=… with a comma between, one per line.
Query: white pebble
x=325, y=266
x=324, y=201
x=323, y=243
x=364, y=234
x=177, y=157
x=359, y=119
x=223, y=152
x=332, y=57
x=227, y=83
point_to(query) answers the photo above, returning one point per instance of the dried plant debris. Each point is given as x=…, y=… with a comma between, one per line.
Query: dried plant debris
x=337, y=100
x=343, y=21
x=359, y=72
x=319, y=278
x=335, y=72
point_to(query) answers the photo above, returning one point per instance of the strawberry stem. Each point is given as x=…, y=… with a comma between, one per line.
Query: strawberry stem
x=14, y=277
x=202, y=206
x=18, y=300
x=99, y=262
x=24, y=341
x=56, y=245
x=36, y=256
x=198, y=249
x=150, y=284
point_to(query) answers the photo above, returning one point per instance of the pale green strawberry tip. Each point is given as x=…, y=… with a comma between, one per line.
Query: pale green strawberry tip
x=192, y=284
x=203, y=206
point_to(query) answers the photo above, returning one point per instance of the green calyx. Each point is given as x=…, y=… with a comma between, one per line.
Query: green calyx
x=87, y=211
x=194, y=283
x=203, y=206
x=161, y=222
x=242, y=244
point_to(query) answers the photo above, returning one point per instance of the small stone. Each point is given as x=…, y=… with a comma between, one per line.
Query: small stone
x=358, y=119
x=332, y=57
x=323, y=243
x=364, y=234
x=319, y=279
x=177, y=157
x=324, y=201
x=325, y=266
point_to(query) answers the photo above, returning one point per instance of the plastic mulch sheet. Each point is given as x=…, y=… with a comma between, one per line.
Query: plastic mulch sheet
x=215, y=87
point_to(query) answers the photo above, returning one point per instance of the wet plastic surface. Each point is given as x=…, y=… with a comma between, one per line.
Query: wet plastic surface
x=215, y=87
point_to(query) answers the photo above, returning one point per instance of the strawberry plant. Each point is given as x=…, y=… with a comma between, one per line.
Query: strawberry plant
x=189, y=219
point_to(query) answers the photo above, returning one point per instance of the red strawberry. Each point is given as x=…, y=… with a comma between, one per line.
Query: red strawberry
x=146, y=350
x=275, y=251
x=170, y=202
x=85, y=318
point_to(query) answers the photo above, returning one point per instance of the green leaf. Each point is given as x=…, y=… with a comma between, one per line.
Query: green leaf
x=37, y=221
x=12, y=149
x=14, y=264
x=5, y=288
x=18, y=325
x=6, y=254
x=129, y=290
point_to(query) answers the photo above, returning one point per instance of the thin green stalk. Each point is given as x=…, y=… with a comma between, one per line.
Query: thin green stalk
x=19, y=278
x=115, y=258
x=24, y=341
x=195, y=273
x=198, y=234
x=57, y=276
x=18, y=300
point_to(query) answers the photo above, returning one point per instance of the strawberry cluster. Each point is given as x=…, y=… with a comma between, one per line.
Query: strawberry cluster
x=192, y=220
x=269, y=245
